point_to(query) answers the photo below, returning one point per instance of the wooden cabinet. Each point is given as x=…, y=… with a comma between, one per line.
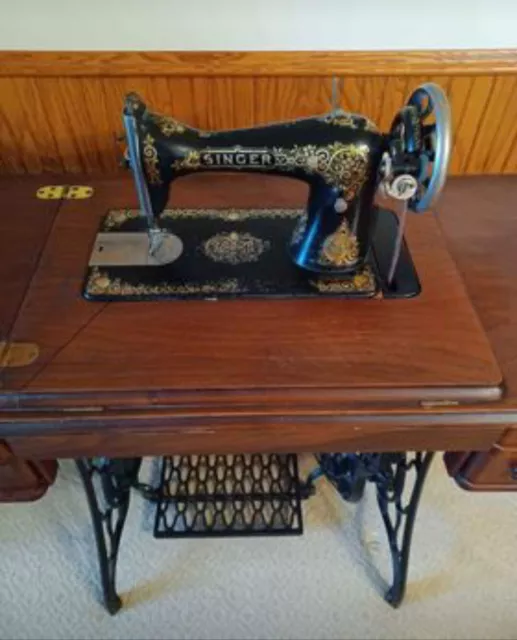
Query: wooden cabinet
x=493, y=470
x=23, y=480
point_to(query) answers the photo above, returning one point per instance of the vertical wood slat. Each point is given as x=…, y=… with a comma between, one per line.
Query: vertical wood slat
x=71, y=123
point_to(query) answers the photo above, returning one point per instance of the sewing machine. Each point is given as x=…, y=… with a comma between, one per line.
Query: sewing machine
x=342, y=243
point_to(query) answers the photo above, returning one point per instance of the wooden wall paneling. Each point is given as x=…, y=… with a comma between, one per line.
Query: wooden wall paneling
x=504, y=131
x=394, y=95
x=54, y=117
x=222, y=103
x=459, y=92
x=29, y=127
x=470, y=118
x=510, y=163
x=279, y=98
x=181, y=92
x=371, y=103
x=12, y=153
x=256, y=63
x=496, y=118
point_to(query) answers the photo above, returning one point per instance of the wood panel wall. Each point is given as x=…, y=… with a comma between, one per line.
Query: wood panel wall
x=61, y=112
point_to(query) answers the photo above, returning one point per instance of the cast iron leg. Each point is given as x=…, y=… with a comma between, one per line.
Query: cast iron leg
x=398, y=500
x=391, y=480
x=108, y=483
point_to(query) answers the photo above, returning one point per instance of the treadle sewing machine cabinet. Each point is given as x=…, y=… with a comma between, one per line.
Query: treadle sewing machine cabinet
x=256, y=318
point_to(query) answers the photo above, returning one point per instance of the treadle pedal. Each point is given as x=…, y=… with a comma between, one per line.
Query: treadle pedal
x=229, y=495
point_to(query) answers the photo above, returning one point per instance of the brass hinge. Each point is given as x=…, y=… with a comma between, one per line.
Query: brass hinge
x=64, y=192
x=18, y=354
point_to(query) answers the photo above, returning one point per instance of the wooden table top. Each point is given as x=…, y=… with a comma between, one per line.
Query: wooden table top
x=239, y=362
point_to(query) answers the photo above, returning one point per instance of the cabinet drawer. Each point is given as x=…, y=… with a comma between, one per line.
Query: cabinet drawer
x=22, y=480
x=495, y=470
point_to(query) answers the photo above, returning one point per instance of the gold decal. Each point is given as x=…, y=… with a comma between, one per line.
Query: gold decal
x=235, y=248
x=100, y=283
x=351, y=121
x=168, y=126
x=340, y=249
x=361, y=282
x=151, y=161
x=341, y=165
x=117, y=217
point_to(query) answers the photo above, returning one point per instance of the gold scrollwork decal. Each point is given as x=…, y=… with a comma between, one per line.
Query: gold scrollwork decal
x=151, y=160
x=116, y=218
x=235, y=248
x=169, y=126
x=351, y=121
x=362, y=282
x=341, y=248
x=100, y=283
x=340, y=165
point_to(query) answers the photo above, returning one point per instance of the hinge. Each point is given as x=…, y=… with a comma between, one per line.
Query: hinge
x=18, y=354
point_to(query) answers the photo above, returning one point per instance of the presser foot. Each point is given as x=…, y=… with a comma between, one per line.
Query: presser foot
x=397, y=500
x=107, y=483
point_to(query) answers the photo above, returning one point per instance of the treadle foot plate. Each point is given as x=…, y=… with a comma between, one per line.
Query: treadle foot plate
x=229, y=495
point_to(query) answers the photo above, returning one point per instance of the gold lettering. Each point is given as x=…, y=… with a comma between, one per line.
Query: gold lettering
x=227, y=158
x=240, y=158
x=266, y=159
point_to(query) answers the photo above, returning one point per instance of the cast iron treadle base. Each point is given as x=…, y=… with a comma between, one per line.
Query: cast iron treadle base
x=229, y=495
x=399, y=479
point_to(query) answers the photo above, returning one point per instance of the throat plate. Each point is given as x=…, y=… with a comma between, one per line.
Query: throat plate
x=132, y=249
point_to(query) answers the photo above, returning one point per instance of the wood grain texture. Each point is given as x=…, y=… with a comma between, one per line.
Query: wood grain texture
x=71, y=122
x=34, y=220
x=144, y=421
x=304, y=345
x=23, y=480
x=493, y=470
x=255, y=63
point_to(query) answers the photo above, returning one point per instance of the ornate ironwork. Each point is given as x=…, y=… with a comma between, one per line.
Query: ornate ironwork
x=229, y=495
x=108, y=483
x=397, y=502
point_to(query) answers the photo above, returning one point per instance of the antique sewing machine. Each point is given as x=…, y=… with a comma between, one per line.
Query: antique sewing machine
x=342, y=243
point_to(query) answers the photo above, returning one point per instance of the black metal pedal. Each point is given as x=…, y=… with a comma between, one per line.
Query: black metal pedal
x=229, y=495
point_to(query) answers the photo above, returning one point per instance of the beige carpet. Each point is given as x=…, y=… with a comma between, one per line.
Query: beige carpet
x=325, y=584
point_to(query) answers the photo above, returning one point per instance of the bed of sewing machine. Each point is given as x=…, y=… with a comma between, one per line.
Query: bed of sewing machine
x=347, y=241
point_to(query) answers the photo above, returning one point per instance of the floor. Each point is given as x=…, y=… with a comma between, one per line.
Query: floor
x=324, y=584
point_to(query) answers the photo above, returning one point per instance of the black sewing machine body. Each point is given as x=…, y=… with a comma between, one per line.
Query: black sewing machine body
x=338, y=155
x=340, y=244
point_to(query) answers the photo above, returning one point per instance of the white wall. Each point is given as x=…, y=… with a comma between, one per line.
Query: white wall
x=257, y=24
